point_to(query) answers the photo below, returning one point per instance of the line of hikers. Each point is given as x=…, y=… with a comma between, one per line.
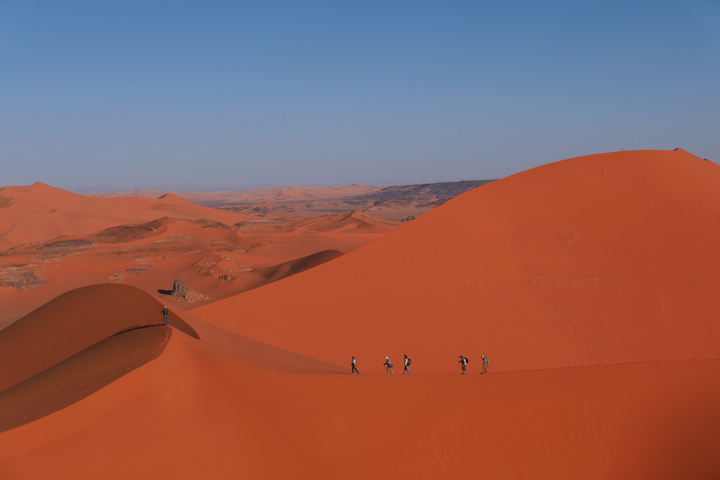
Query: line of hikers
x=388, y=364
x=406, y=363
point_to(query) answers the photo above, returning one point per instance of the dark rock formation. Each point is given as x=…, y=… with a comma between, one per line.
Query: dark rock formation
x=182, y=293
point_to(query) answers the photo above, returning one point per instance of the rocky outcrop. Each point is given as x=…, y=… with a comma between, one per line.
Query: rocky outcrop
x=21, y=277
x=182, y=293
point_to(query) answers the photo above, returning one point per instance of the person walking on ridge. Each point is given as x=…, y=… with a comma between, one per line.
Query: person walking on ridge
x=463, y=363
x=388, y=365
x=353, y=366
x=485, y=363
x=165, y=313
x=407, y=365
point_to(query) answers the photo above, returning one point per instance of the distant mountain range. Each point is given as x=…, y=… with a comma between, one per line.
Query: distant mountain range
x=391, y=203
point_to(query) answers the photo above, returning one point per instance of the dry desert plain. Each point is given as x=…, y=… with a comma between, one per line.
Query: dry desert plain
x=590, y=283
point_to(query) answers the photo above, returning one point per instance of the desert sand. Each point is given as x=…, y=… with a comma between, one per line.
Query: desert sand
x=589, y=283
x=55, y=241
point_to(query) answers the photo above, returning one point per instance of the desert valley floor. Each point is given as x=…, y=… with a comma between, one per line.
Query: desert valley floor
x=590, y=284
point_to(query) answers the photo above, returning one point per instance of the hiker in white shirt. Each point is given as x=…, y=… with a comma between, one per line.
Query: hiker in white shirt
x=407, y=365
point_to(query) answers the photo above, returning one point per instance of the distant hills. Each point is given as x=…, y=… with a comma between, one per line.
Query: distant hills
x=390, y=203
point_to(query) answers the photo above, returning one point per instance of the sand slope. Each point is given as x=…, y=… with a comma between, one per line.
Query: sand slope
x=228, y=407
x=508, y=268
x=214, y=258
x=601, y=259
x=40, y=212
x=75, y=345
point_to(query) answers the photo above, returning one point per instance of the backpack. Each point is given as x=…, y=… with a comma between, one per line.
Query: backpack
x=409, y=361
x=465, y=360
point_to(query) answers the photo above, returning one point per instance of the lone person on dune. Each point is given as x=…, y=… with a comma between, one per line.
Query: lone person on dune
x=463, y=363
x=353, y=366
x=165, y=313
x=388, y=365
x=407, y=365
x=485, y=363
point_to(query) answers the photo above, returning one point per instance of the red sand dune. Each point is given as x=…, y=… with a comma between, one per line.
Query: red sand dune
x=286, y=269
x=214, y=258
x=227, y=407
x=352, y=222
x=40, y=212
x=558, y=266
x=103, y=327
x=601, y=259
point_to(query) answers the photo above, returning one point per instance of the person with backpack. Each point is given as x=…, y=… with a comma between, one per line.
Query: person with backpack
x=485, y=363
x=388, y=365
x=463, y=363
x=353, y=366
x=165, y=313
x=407, y=365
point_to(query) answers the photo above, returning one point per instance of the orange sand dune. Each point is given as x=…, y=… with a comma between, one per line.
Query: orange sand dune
x=213, y=258
x=40, y=212
x=75, y=345
x=227, y=407
x=604, y=260
x=601, y=259
x=292, y=267
x=88, y=315
x=352, y=222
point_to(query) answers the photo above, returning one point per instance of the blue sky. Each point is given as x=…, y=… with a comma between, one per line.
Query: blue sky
x=233, y=93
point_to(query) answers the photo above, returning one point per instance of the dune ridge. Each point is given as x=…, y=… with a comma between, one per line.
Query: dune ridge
x=607, y=258
x=76, y=344
x=354, y=221
x=589, y=283
x=89, y=315
x=645, y=420
x=41, y=212
x=80, y=375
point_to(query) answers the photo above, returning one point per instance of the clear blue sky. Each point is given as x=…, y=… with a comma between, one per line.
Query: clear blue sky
x=161, y=93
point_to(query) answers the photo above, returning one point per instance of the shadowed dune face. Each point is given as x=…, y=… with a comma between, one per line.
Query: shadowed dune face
x=601, y=259
x=81, y=375
x=286, y=269
x=75, y=345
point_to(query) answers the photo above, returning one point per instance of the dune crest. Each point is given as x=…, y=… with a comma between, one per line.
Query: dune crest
x=554, y=274
x=293, y=267
x=75, y=345
x=607, y=258
x=73, y=322
x=40, y=212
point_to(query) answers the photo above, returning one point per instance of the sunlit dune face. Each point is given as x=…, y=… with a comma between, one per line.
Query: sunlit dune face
x=589, y=284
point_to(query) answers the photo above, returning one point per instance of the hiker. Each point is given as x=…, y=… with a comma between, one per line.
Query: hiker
x=485, y=363
x=353, y=366
x=463, y=363
x=165, y=313
x=388, y=365
x=407, y=365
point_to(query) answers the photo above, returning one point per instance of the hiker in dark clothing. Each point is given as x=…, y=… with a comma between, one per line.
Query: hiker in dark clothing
x=485, y=363
x=463, y=363
x=165, y=313
x=388, y=365
x=407, y=365
x=353, y=367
